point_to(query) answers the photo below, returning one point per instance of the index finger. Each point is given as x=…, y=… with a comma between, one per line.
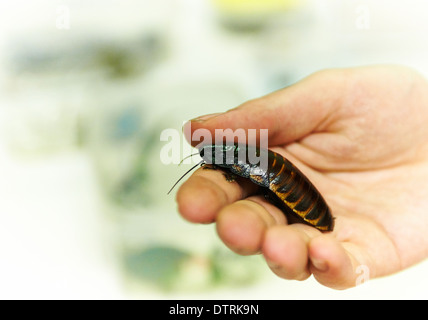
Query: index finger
x=289, y=114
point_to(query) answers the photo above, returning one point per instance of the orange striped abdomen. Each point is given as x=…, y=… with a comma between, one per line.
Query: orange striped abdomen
x=292, y=187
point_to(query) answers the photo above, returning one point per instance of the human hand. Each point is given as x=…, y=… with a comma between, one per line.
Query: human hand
x=361, y=136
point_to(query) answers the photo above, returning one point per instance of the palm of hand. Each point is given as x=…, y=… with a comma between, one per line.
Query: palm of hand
x=374, y=168
x=366, y=150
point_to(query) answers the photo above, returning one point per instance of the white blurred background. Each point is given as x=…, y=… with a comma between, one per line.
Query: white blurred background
x=86, y=87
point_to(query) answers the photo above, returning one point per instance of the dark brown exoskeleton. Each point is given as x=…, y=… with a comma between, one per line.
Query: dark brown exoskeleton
x=285, y=185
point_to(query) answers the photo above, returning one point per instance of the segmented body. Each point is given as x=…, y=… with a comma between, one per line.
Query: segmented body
x=289, y=185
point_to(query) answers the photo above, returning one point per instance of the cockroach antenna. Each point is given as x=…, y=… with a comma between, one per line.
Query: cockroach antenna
x=202, y=161
x=191, y=155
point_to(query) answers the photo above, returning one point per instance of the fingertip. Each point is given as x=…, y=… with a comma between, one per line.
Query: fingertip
x=330, y=263
x=199, y=200
x=206, y=192
x=242, y=226
x=285, y=250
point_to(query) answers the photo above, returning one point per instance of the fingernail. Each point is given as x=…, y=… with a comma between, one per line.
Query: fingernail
x=206, y=117
x=271, y=264
x=319, y=264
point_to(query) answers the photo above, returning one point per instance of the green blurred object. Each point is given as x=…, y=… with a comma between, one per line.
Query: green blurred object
x=124, y=62
x=156, y=265
x=173, y=269
x=251, y=16
x=132, y=188
x=117, y=59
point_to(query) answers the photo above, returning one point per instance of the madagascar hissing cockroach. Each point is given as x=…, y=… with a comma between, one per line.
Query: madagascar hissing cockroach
x=285, y=185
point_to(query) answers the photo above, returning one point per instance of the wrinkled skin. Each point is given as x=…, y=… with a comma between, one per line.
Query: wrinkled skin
x=361, y=136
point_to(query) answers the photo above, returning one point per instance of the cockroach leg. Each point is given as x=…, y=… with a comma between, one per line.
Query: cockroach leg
x=208, y=166
x=230, y=177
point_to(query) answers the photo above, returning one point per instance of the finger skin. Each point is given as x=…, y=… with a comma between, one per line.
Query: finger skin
x=331, y=264
x=206, y=192
x=296, y=251
x=287, y=113
x=286, y=252
x=202, y=208
x=242, y=226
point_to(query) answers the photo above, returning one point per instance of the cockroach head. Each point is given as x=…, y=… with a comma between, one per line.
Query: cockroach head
x=219, y=154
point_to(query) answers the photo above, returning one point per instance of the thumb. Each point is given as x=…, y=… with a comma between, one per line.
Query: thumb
x=289, y=114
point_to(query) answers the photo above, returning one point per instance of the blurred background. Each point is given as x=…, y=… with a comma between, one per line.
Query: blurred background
x=86, y=87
